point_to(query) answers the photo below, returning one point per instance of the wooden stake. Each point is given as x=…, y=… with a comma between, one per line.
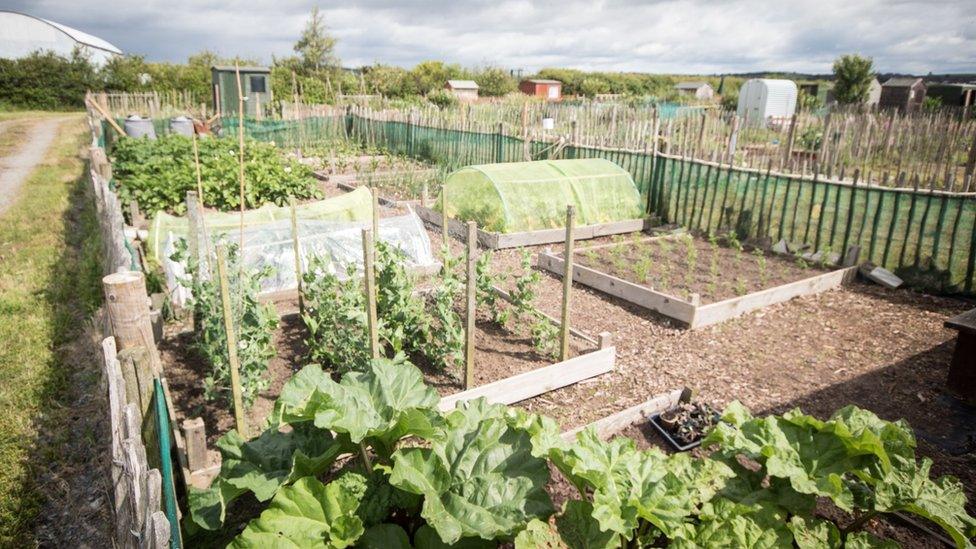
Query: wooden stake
x=128, y=312
x=567, y=284
x=196, y=161
x=107, y=117
x=234, y=363
x=240, y=143
x=369, y=277
x=469, y=310
x=297, y=248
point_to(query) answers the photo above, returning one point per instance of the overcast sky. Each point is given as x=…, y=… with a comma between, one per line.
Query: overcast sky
x=696, y=36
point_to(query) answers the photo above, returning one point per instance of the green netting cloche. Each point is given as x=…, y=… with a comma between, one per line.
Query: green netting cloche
x=527, y=196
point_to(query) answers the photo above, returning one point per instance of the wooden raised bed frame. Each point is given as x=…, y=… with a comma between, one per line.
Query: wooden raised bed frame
x=693, y=313
x=500, y=241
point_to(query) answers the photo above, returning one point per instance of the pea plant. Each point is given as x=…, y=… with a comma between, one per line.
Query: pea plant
x=447, y=329
x=335, y=317
x=486, y=297
x=761, y=266
x=475, y=477
x=253, y=321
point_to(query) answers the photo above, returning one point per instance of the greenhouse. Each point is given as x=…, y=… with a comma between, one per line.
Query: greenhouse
x=529, y=196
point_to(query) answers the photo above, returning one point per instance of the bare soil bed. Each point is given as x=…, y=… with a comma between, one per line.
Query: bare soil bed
x=684, y=265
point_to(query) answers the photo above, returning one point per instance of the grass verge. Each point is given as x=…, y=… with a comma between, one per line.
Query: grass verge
x=49, y=284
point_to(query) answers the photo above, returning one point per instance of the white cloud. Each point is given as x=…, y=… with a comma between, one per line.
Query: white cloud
x=655, y=36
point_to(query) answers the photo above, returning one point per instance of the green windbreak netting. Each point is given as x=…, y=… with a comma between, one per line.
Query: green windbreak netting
x=927, y=238
x=353, y=206
x=527, y=196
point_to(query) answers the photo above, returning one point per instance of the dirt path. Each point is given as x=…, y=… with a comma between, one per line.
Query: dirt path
x=16, y=167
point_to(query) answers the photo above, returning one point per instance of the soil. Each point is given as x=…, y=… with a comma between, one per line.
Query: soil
x=718, y=272
x=499, y=353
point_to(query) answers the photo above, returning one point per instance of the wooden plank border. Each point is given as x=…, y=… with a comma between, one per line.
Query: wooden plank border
x=619, y=421
x=536, y=382
x=499, y=241
x=692, y=314
x=667, y=305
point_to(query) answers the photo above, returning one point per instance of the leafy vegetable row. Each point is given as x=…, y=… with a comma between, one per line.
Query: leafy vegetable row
x=158, y=173
x=369, y=461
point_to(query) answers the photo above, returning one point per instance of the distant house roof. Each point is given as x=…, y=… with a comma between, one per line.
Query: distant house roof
x=462, y=84
x=542, y=81
x=232, y=68
x=901, y=82
x=691, y=85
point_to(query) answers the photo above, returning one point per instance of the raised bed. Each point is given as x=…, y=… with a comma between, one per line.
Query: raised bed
x=689, y=309
x=499, y=241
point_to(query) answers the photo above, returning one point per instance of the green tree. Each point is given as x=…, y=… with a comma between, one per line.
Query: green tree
x=389, y=81
x=852, y=78
x=495, y=82
x=433, y=75
x=316, y=46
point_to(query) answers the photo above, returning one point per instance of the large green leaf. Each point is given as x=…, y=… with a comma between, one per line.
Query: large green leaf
x=812, y=455
x=809, y=533
x=262, y=465
x=668, y=490
x=480, y=479
x=384, y=536
x=387, y=402
x=605, y=468
x=908, y=488
x=728, y=524
x=426, y=538
x=309, y=514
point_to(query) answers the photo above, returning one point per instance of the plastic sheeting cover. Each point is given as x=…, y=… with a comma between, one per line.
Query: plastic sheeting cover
x=353, y=206
x=339, y=243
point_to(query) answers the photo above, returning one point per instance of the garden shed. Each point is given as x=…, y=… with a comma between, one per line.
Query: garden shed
x=527, y=196
x=255, y=83
x=464, y=90
x=953, y=94
x=698, y=90
x=540, y=87
x=762, y=99
x=902, y=93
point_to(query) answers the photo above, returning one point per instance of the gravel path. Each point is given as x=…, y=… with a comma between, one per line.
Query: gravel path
x=16, y=167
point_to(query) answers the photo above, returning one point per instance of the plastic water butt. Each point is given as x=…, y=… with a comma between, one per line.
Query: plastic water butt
x=137, y=126
x=181, y=125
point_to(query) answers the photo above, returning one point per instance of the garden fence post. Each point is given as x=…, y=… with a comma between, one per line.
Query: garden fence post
x=297, y=248
x=129, y=315
x=498, y=144
x=233, y=363
x=369, y=277
x=469, y=311
x=567, y=284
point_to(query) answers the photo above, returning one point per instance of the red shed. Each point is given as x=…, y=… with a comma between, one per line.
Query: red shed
x=548, y=89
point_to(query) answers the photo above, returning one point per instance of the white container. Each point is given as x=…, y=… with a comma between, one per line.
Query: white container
x=763, y=99
x=181, y=125
x=136, y=126
x=548, y=123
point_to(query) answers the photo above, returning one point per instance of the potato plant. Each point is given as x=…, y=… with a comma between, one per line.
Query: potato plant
x=475, y=476
x=254, y=322
x=158, y=173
